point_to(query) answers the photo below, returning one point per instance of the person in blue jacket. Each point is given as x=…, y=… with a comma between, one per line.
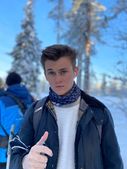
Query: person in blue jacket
x=10, y=111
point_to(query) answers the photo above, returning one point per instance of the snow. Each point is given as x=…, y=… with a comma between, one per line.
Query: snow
x=118, y=109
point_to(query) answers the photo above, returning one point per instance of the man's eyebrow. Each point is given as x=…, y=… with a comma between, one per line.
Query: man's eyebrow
x=50, y=69
x=63, y=68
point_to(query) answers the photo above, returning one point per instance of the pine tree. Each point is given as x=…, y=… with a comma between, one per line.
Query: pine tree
x=57, y=13
x=26, y=53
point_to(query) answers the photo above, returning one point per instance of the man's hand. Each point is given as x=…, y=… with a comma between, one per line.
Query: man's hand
x=37, y=157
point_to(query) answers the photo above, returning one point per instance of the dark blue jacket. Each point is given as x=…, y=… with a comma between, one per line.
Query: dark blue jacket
x=96, y=145
x=10, y=113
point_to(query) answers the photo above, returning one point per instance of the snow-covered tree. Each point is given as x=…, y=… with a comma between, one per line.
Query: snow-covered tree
x=118, y=7
x=120, y=13
x=57, y=14
x=27, y=50
x=121, y=74
x=86, y=19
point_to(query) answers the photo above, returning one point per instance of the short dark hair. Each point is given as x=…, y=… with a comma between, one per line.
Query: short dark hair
x=57, y=51
x=13, y=78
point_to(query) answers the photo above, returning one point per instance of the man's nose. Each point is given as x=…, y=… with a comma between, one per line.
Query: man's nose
x=58, y=77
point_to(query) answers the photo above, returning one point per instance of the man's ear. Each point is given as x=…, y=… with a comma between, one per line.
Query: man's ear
x=76, y=70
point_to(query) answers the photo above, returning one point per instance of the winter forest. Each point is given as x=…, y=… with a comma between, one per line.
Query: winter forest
x=85, y=25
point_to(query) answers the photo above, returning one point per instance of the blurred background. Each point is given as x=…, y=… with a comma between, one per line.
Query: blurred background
x=97, y=29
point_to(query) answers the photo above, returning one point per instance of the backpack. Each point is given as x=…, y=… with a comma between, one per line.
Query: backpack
x=19, y=102
x=37, y=116
x=37, y=113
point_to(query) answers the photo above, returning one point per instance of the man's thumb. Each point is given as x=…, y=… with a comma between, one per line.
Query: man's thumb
x=43, y=138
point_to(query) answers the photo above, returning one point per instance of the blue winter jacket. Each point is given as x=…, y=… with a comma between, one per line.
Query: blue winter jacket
x=10, y=113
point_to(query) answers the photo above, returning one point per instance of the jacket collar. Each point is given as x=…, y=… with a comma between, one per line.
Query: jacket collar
x=85, y=112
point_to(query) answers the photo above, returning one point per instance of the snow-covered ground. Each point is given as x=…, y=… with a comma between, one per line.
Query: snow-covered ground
x=118, y=108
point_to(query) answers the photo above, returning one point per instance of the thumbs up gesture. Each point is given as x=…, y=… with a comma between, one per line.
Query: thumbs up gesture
x=37, y=157
x=43, y=138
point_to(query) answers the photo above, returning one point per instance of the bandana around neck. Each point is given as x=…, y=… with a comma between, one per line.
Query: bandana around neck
x=71, y=96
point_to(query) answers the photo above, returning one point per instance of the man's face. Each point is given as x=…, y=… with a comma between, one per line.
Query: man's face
x=60, y=74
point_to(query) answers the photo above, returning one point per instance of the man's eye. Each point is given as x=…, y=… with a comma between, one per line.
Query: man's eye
x=51, y=73
x=63, y=72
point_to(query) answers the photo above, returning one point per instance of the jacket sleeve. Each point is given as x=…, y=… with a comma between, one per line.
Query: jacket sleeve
x=22, y=143
x=110, y=147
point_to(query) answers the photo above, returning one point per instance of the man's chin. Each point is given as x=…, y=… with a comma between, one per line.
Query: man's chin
x=60, y=92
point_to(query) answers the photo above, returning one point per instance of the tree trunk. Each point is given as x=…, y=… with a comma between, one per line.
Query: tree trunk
x=87, y=66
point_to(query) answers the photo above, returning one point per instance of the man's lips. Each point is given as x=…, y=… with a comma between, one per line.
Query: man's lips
x=59, y=86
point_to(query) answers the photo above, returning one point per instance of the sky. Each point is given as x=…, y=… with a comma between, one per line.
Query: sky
x=11, y=17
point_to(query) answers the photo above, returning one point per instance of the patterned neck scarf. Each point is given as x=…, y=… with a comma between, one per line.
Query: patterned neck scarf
x=69, y=98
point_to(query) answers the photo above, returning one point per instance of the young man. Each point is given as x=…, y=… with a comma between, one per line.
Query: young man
x=75, y=130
